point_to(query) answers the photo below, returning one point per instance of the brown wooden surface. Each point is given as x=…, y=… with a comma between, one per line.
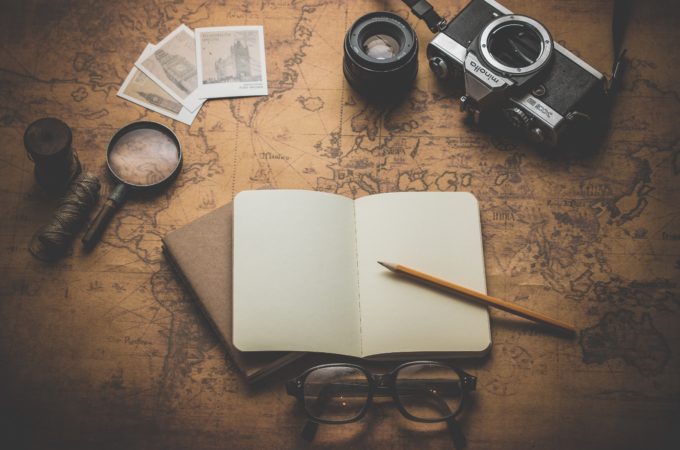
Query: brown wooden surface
x=105, y=350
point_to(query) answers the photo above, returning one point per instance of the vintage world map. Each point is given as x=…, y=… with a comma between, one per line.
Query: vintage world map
x=106, y=349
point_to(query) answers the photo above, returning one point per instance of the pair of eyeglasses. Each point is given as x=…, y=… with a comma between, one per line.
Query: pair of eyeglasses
x=423, y=391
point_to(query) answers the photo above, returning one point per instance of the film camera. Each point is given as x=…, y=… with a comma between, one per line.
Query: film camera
x=507, y=65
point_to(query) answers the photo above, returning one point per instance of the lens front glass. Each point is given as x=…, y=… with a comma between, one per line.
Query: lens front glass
x=515, y=44
x=336, y=393
x=429, y=391
x=381, y=46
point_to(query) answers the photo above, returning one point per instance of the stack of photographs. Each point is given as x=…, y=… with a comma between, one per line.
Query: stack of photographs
x=176, y=76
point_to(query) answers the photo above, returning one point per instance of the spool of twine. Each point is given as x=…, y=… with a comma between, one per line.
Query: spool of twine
x=52, y=240
x=48, y=144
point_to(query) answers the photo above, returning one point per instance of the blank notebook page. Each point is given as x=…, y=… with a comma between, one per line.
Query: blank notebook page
x=437, y=233
x=295, y=272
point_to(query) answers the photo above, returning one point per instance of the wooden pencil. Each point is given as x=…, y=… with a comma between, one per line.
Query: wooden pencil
x=483, y=298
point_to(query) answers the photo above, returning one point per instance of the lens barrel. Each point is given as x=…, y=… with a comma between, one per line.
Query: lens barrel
x=381, y=55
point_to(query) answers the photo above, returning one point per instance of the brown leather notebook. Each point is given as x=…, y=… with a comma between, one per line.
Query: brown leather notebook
x=201, y=253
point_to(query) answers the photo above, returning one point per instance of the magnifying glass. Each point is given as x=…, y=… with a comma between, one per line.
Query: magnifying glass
x=142, y=156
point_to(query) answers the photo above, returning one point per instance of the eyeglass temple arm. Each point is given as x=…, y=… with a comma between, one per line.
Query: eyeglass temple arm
x=309, y=430
x=294, y=388
x=456, y=433
x=459, y=441
x=455, y=430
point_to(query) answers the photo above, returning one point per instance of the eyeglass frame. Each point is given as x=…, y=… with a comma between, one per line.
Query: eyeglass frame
x=376, y=382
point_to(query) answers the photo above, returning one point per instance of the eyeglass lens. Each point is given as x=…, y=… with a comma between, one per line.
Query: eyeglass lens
x=336, y=393
x=429, y=391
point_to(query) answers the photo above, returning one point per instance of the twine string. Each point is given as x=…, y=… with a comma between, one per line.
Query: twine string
x=52, y=240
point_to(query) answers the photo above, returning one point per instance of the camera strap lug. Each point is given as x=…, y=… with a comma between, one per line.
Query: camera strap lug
x=463, y=103
x=423, y=10
x=474, y=115
x=576, y=115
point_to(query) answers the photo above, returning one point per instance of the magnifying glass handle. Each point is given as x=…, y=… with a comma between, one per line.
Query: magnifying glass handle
x=108, y=209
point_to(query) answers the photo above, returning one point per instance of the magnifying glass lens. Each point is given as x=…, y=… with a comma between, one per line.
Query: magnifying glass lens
x=144, y=157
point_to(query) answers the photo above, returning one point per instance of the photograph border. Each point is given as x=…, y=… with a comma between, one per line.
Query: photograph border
x=231, y=89
x=184, y=116
x=192, y=102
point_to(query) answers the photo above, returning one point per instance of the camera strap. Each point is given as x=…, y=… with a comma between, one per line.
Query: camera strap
x=620, y=18
x=423, y=10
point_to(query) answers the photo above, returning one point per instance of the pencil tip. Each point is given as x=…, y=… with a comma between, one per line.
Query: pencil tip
x=387, y=265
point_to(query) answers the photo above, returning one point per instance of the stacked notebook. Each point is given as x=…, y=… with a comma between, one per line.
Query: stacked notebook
x=201, y=253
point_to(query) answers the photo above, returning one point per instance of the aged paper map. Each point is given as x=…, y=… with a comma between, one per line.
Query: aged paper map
x=106, y=349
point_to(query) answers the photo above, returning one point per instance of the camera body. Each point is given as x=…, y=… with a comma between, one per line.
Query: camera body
x=510, y=69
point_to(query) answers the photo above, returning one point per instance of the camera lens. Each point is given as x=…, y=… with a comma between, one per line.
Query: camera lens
x=381, y=46
x=515, y=44
x=381, y=55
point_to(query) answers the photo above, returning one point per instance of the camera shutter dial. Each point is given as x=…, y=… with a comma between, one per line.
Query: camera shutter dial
x=517, y=118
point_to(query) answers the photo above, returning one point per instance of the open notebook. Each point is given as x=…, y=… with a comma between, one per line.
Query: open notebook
x=306, y=276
